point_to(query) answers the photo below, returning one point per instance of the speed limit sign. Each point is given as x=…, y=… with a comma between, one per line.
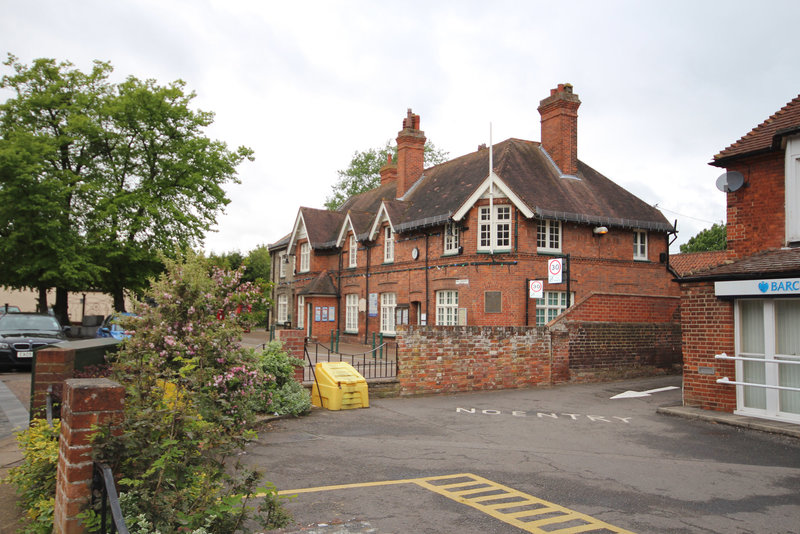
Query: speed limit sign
x=535, y=289
x=554, y=271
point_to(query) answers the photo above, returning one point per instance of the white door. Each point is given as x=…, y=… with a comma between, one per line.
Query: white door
x=768, y=336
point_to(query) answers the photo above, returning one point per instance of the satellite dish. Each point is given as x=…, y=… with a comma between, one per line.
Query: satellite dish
x=730, y=182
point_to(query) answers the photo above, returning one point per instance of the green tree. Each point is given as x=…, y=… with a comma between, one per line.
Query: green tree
x=257, y=265
x=714, y=238
x=363, y=173
x=127, y=169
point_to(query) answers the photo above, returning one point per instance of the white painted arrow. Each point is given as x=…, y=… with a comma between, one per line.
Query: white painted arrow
x=636, y=394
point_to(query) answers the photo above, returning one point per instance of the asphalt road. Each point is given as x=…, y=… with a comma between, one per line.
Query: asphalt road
x=615, y=462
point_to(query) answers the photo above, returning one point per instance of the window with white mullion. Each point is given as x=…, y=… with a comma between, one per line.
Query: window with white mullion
x=353, y=252
x=305, y=257
x=452, y=241
x=548, y=236
x=351, y=319
x=388, y=305
x=447, y=308
x=283, y=308
x=639, y=245
x=388, y=245
x=494, y=228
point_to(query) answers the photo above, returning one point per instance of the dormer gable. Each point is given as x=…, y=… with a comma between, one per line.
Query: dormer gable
x=492, y=187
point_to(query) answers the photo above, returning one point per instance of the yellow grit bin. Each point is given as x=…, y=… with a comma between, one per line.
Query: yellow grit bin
x=339, y=387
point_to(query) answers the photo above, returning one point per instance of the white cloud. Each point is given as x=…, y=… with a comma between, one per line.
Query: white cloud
x=664, y=85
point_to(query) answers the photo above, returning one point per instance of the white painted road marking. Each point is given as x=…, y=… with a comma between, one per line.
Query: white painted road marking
x=637, y=394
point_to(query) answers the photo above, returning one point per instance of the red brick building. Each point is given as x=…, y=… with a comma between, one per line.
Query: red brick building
x=740, y=320
x=459, y=243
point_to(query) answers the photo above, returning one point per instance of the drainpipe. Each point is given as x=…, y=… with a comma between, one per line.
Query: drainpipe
x=427, y=315
x=366, y=314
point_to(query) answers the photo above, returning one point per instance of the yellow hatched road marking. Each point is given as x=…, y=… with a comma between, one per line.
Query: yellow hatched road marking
x=479, y=485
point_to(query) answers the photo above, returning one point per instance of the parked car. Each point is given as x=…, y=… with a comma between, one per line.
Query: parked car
x=112, y=328
x=23, y=333
x=6, y=308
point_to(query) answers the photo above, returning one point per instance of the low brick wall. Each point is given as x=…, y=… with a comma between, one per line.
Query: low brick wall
x=604, y=336
x=470, y=358
x=606, y=350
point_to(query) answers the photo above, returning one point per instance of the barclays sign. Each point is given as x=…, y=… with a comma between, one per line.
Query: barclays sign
x=751, y=288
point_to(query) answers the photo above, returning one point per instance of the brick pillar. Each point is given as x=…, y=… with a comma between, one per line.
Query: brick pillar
x=293, y=343
x=53, y=366
x=87, y=403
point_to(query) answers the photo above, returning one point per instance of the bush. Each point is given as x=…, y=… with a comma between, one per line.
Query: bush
x=35, y=478
x=191, y=394
x=287, y=396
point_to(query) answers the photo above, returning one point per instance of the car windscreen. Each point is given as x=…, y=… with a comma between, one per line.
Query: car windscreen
x=29, y=323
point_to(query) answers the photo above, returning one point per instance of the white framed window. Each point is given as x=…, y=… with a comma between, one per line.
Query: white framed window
x=301, y=310
x=548, y=235
x=550, y=306
x=388, y=245
x=388, y=304
x=494, y=228
x=351, y=313
x=639, y=245
x=767, y=334
x=283, y=308
x=353, y=256
x=452, y=239
x=282, y=265
x=447, y=308
x=305, y=257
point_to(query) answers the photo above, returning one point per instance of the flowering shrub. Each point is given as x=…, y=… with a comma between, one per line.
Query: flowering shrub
x=191, y=392
x=243, y=390
x=35, y=478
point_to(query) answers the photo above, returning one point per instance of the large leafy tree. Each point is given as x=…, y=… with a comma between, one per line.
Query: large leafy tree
x=127, y=169
x=363, y=173
x=714, y=238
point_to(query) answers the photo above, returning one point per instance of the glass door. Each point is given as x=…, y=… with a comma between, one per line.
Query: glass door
x=768, y=340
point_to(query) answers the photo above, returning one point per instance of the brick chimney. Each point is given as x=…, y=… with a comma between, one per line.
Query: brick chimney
x=559, y=113
x=410, y=153
x=388, y=171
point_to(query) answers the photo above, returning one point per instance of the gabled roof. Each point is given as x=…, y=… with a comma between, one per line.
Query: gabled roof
x=321, y=285
x=357, y=222
x=695, y=262
x=391, y=211
x=531, y=177
x=766, y=136
x=280, y=243
x=321, y=227
x=780, y=262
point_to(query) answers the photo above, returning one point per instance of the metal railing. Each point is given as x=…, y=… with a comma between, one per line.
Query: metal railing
x=379, y=362
x=103, y=484
x=726, y=380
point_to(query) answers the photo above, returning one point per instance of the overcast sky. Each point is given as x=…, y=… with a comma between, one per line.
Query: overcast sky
x=664, y=85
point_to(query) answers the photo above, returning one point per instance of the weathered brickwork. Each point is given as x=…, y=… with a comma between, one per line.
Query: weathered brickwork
x=471, y=358
x=87, y=405
x=707, y=329
x=640, y=336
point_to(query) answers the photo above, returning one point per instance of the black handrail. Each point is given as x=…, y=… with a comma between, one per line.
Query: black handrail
x=103, y=481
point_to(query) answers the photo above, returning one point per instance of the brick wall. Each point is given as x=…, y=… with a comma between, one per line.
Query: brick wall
x=471, y=358
x=749, y=229
x=708, y=329
x=88, y=404
x=635, y=335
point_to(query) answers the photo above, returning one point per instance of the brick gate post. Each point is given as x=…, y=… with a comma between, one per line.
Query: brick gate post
x=87, y=403
x=53, y=366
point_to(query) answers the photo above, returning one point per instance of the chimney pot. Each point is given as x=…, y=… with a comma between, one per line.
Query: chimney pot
x=410, y=153
x=559, y=114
